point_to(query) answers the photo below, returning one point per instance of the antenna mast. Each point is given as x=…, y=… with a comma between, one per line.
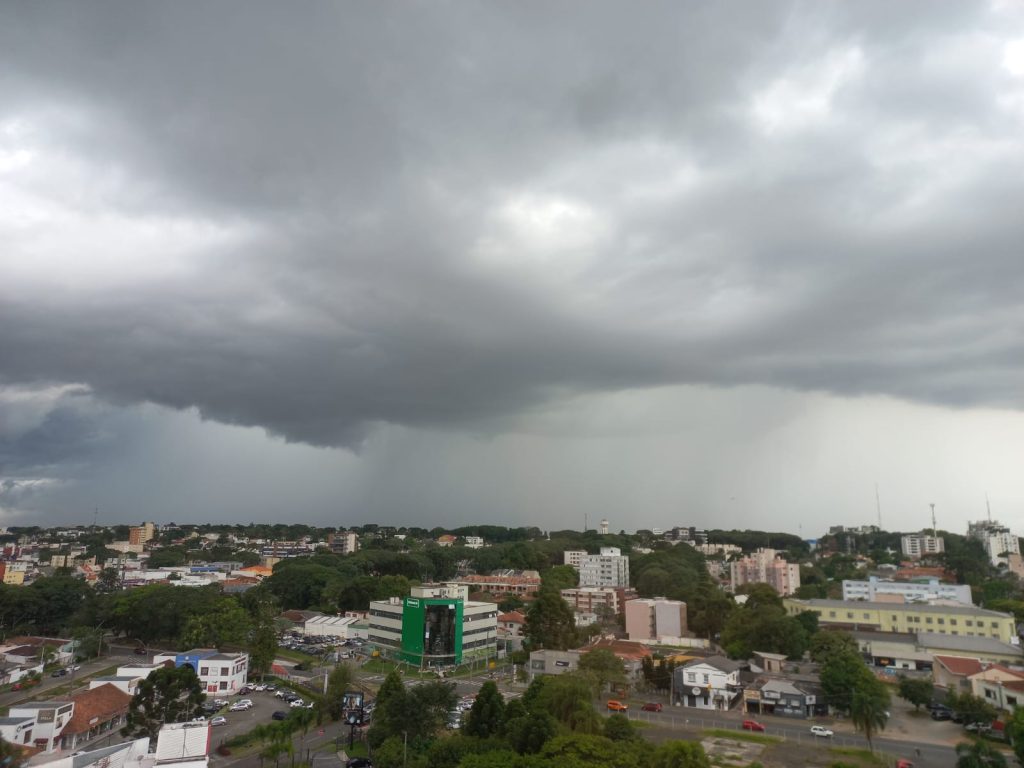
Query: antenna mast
x=878, y=506
x=934, y=533
x=988, y=507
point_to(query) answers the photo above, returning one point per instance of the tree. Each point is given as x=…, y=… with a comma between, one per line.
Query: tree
x=711, y=611
x=973, y=709
x=680, y=754
x=338, y=682
x=528, y=733
x=979, y=754
x=841, y=674
x=869, y=705
x=830, y=642
x=167, y=695
x=11, y=755
x=560, y=577
x=568, y=698
x=1015, y=732
x=227, y=624
x=487, y=715
x=618, y=728
x=550, y=622
x=605, y=667
x=917, y=691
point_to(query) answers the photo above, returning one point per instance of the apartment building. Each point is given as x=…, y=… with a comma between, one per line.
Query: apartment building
x=474, y=542
x=998, y=540
x=766, y=566
x=610, y=568
x=910, y=591
x=140, y=534
x=591, y=599
x=573, y=557
x=655, y=619
x=343, y=542
x=915, y=545
x=909, y=617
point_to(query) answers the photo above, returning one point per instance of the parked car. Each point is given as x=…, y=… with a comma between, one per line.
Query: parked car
x=819, y=730
x=752, y=725
x=260, y=687
x=280, y=715
x=359, y=762
x=651, y=706
x=271, y=688
x=617, y=706
x=220, y=720
x=140, y=652
x=296, y=703
x=59, y=673
x=942, y=714
x=239, y=706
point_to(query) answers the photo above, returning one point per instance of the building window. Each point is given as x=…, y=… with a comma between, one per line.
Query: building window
x=942, y=621
x=204, y=670
x=705, y=678
x=895, y=619
x=995, y=625
x=867, y=615
x=831, y=614
x=691, y=677
x=224, y=671
x=928, y=620
x=849, y=614
x=952, y=622
x=969, y=623
x=223, y=685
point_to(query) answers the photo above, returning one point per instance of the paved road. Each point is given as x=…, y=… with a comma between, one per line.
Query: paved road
x=48, y=683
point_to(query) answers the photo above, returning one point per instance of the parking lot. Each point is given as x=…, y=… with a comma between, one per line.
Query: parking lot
x=264, y=705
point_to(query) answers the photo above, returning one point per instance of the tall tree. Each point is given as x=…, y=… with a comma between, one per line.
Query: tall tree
x=550, y=622
x=487, y=714
x=338, y=682
x=869, y=708
x=605, y=667
x=167, y=695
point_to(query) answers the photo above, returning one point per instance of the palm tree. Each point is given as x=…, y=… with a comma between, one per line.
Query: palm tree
x=979, y=754
x=868, y=709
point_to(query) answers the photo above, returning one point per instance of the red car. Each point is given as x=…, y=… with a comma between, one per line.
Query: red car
x=617, y=706
x=651, y=706
x=752, y=725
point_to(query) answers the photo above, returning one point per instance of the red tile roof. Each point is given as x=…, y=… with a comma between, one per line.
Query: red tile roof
x=960, y=665
x=97, y=705
x=512, y=616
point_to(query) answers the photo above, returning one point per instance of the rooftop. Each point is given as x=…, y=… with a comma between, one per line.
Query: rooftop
x=957, y=610
x=104, y=703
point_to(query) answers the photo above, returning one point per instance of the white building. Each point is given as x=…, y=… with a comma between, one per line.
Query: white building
x=655, y=620
x=608, y=569
x=573, y=557
x=474, y=542
x=49, y=717
x=920, y=544
x=711, y=683
x=997, y=539
x=219, y=672
x=911, y=592
x=343, y=542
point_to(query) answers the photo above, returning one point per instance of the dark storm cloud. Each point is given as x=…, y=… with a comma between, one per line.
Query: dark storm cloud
x=316, y=220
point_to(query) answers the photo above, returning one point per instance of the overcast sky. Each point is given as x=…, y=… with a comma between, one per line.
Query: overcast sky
x=727, y=264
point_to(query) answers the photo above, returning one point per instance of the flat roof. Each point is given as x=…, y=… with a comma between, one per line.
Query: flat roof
x=961, y=610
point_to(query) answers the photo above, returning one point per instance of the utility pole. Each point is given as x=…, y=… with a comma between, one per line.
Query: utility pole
x=934, y=530
x=988, y=507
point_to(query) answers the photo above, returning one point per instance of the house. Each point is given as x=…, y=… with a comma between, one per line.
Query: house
x=953, y=672
x=770, y=662
x=782, y=697
x=97, y=711
x=447, y=540
x=129, y=684
x=510, y=628
x=711, y=683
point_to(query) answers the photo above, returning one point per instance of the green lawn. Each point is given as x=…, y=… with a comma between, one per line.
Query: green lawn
x=756, y=738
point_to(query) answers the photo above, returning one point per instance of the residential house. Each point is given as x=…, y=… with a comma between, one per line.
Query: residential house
x=712, y=683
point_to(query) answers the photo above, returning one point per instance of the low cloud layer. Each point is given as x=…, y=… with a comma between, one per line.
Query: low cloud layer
x=320, y=223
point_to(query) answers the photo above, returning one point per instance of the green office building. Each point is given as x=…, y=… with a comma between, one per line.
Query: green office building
x=434, y=627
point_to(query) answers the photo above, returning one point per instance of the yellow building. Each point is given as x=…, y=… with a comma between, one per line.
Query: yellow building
x=964, y=620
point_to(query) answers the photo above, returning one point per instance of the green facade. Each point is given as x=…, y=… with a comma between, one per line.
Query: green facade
x=431, y=631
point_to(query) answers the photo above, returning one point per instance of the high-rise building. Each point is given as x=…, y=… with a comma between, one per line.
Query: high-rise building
x=920, y=544
x=655, y=619
x=343, y=542
x=573, y=556
x=608, y=569
x=766, y=566
x=998, y=540
x=142, y=533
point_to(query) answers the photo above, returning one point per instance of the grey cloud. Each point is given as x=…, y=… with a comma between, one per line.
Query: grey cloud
x=367, y=155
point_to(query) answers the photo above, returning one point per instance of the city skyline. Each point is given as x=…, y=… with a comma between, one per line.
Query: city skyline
x=733, y=266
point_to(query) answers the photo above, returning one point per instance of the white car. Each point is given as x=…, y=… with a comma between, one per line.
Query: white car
x=219, y=721
x=239, y=706
x=297, y=703
x=817, y=730
x=260, y=687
